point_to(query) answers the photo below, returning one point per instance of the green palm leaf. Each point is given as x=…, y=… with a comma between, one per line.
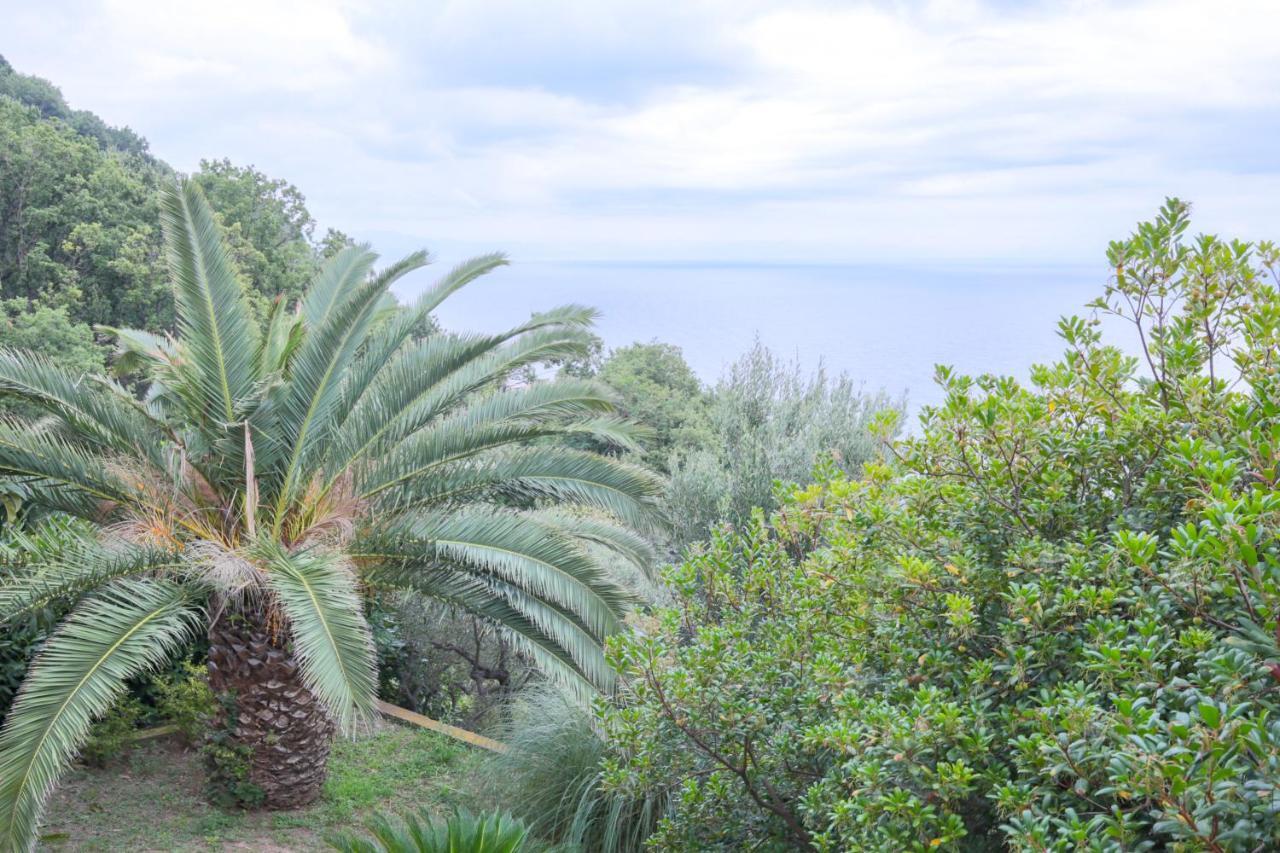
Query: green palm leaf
x=462, y=833
x=307, y=400
x=317, y=592
x=63, y=475
x=95, y=407
x=626, y=491
x=282, y=338
x=384, y=343
x=132, y=627
x=76, y=570
x=513, y=548
x=172, y=382
x=439, y=374
x=599, y=531
x=558, y=645
x=213, y=317
x=512, y=416
x=335, y=284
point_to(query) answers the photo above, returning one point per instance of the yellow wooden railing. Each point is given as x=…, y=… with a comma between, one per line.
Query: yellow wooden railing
x=443, y=728
x=391, y=711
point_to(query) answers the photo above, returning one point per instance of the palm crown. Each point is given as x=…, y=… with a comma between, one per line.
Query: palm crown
x=299, y=463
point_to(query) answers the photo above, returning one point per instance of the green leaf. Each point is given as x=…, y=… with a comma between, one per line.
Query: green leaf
x=131, y=628
x=78, y=569
x=317, y=591
x=307, y=400
x=213, y=316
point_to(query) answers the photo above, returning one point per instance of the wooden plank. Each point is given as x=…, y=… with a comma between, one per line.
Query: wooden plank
x=443, y=728
x=158, y=731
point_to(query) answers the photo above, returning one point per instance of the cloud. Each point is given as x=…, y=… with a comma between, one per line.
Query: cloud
x=840, y=132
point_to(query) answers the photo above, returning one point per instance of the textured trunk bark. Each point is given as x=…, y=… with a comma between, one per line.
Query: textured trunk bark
x=282, y=727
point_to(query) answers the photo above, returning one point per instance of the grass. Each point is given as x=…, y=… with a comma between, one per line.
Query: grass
x=151, y=798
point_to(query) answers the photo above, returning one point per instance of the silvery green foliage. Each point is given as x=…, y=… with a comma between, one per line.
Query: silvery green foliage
x=771, y=422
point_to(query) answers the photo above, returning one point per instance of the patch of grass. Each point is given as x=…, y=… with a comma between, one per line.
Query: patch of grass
x=151, y=799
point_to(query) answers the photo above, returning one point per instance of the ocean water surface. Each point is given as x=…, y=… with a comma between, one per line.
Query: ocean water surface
x=884, y=327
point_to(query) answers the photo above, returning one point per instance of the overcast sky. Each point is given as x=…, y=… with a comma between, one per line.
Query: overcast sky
x=736, y=131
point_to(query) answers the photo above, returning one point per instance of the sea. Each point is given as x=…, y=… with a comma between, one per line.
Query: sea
x=886, y=327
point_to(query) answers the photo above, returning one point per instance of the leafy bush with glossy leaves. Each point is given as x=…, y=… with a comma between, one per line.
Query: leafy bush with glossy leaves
x=1049, y=621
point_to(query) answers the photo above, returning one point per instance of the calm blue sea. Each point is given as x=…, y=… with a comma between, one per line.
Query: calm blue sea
x=885, y=327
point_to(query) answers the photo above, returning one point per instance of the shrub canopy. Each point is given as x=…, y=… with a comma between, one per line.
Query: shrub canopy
x=1048, y=621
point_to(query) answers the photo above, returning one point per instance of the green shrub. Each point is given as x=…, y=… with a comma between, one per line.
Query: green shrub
x=1051, y=621
x=228, y=763
x=113, y=733
x=550, y=777
x=770, y=422
x=461, y=833
x=183, y=698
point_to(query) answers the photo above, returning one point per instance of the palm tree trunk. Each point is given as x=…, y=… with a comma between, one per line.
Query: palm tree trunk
x=266, y=714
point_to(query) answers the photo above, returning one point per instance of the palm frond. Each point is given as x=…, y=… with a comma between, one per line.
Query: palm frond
x=335, y=283
x=76, y=570
x=628, y=492
x=138, y=351
x=94, y=407
x=613, y=431
x=384, y=343
x=558, y=645
x=398, y=270
x=456, y=279
x=514, y=548
x=438, y=376
x=600, y=531
x=506, y=417
x=213, y=316
x=317, y=591
x=172, y=385
x=66, y=477
x=284, y=334
x=307, y=400
x=132, y=627
x=461, y=833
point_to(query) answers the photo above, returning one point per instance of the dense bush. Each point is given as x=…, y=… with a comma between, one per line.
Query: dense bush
x=1047, y=622
x=112, y=734
x=770, y=422
x=727, y=446
x=183, y=699
x=658, y=388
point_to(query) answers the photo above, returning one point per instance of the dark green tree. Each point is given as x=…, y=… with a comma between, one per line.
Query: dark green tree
x=267, y=225
x=52, y=333
x=657, y=387
x=78, y=224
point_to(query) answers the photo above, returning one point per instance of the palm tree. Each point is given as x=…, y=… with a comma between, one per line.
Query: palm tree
x=274, y=475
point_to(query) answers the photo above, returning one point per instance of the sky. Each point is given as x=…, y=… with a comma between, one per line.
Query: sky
x=738, y=131
x=947, y=135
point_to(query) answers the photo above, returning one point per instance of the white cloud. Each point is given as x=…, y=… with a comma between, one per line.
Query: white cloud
x=706, y=130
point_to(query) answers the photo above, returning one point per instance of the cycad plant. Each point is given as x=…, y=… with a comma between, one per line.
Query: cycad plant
x=461, y=833
x=275, y=474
